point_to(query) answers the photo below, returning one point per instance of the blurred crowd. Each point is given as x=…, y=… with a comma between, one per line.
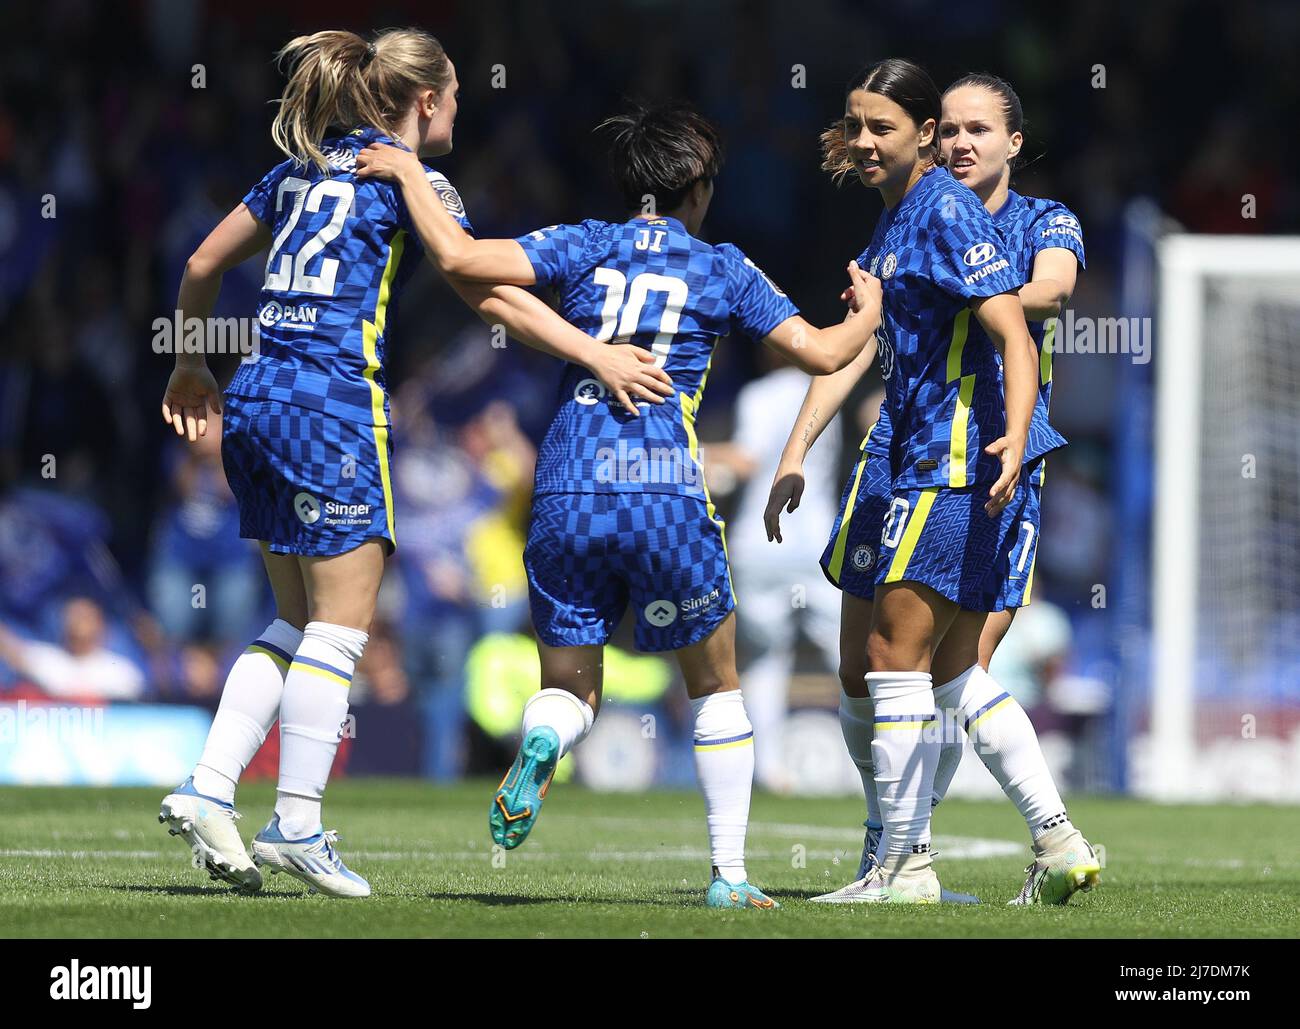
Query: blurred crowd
x=128, y=130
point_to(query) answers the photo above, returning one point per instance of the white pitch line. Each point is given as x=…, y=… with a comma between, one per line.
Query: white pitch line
x=953, y=848
x=79, y=854
x=957, y=848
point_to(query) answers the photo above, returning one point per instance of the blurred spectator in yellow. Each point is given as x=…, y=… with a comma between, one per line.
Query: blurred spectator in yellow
x=495, y=540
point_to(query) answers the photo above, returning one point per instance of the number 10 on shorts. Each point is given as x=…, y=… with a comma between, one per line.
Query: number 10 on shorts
x=895, y=523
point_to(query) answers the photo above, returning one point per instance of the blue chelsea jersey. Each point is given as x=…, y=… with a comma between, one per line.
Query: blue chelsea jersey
x=342, y=249
x=649, y=282
x=1030, y=225
x=934, y=252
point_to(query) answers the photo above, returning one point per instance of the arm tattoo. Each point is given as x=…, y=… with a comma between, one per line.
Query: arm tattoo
x=808, y=428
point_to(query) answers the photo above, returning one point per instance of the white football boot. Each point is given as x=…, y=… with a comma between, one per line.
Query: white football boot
x=855, y=892
x=904, y=879
x=208, y=826
x=863, y=891
x=312, y=859
x=1064, y=864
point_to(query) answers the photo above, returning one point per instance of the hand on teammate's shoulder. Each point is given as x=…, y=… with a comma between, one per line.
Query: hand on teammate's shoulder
x=383, y=161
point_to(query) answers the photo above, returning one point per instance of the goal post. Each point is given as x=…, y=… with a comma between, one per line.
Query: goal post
x=1224, y=712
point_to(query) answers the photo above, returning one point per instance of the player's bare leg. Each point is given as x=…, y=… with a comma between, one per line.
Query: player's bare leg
x=341, y=592
x=556, y=719
x=996, y=627
x=344, y=588
x=724, y=762
x=577, y=670
x=201, y=810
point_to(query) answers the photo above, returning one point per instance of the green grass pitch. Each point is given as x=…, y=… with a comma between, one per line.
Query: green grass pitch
x=95, y=863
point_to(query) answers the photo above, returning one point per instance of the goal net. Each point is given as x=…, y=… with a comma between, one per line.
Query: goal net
x=1224, y=714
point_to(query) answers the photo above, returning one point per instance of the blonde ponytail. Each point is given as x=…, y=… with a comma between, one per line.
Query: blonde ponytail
x=340, y=81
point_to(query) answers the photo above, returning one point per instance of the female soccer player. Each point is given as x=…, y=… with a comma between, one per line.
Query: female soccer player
x=306, y=443
x=980, y=136
x=957, y=444
x=621, y=512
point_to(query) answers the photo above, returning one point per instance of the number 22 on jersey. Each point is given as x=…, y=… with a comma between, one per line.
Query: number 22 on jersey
x=288, y=272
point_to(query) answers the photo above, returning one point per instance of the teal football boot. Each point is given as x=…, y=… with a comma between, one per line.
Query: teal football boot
x=723, y=894
x=518, y=799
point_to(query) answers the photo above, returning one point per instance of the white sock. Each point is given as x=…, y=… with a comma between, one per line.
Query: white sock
x=724, y=763
x=570, y=717
x=250, y=704
x=856, y=717
x=905, y=750
x=953, y=740
x=1005, y=741
x=312, y=714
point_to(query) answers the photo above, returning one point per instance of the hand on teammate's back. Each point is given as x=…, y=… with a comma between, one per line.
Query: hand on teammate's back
x=629, y=372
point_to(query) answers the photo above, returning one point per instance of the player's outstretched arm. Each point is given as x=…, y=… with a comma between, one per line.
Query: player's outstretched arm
x=1050, y=284
x=826, y=395
x=825, y=351
x=1004, y=320
x=627, y=371
x=192, y=390
x=453, y=251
